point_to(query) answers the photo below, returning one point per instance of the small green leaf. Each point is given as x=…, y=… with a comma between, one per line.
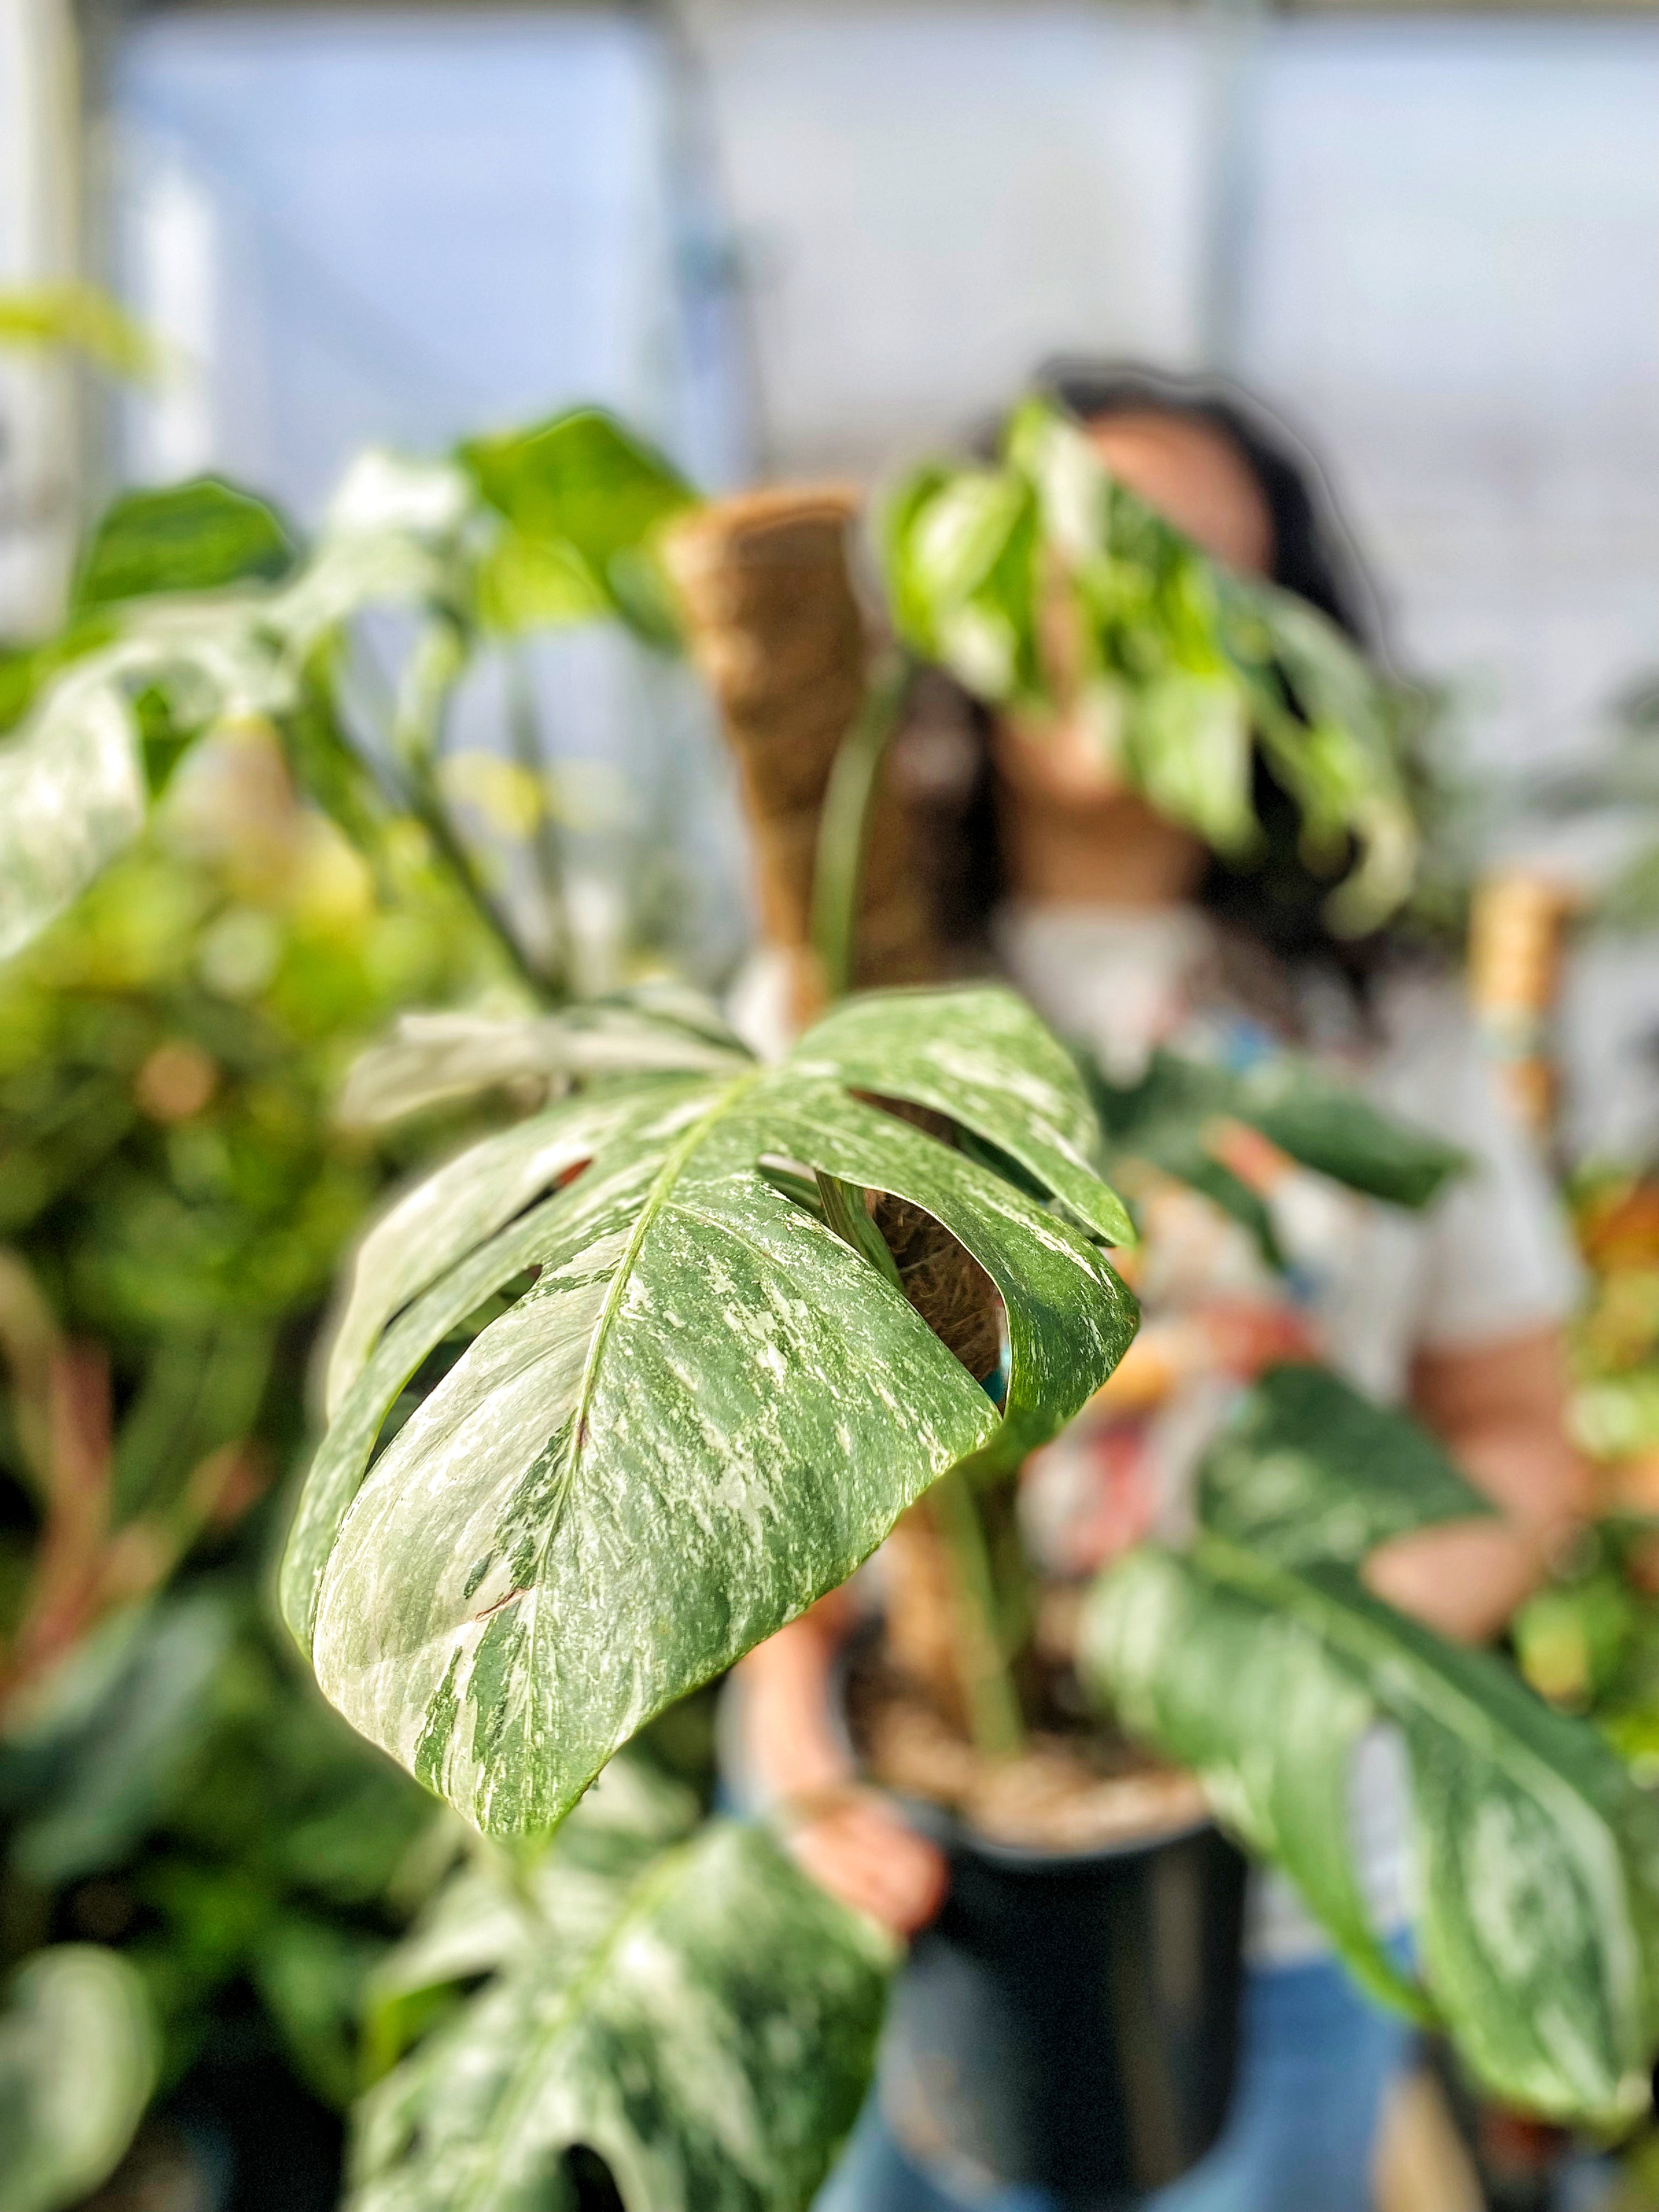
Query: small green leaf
x=524, y=583
x=193, y=537
x=1266, y=1717
x=77, y=2064
x=692, y=2013
x=1190, y=750
x=81, y=316
x=704, y=1412
x=584, y=498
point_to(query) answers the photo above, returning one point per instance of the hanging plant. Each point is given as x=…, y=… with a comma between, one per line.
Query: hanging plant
x=1044, y=586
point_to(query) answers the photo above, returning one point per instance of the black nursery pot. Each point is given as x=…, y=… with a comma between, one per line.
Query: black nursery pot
x=1070, y=2021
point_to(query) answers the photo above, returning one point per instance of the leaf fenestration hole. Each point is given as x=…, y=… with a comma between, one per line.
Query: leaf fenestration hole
x=946, y=1284
x=592, y=2185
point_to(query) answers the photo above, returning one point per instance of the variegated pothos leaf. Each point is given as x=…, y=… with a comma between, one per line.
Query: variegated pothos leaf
x=704, y=1412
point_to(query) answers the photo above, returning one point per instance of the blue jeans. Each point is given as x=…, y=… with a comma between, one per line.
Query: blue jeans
x=1316, y=2058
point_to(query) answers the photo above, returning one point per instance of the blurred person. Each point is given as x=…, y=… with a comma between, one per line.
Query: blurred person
x=1125, y=933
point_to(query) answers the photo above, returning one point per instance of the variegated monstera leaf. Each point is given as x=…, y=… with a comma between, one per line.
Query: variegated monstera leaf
x=692, y=1408
x=679, y=2009
x=1259, y=1659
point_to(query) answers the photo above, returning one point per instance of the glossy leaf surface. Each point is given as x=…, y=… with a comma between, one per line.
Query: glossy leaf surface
x=703, y=1413
x=686, y=2010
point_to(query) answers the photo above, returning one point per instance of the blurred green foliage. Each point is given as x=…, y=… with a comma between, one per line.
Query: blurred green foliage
x=199, y=1862
x=174, y=1199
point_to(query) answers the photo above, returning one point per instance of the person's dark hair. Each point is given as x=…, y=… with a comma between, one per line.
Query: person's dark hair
x=1276, y=898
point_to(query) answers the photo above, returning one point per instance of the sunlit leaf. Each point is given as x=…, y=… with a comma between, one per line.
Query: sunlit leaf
x=71, y=797
x=72, y=789
x=193, y=537
x=1190, y=750
x=1044, y=583
x=686, y=2013
x=81, y=316
x=77, y=2064
x=583, y=497
x=703, y=1413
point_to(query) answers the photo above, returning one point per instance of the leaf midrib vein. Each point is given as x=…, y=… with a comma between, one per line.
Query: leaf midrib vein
x=656, y=1882
x=655, y=1199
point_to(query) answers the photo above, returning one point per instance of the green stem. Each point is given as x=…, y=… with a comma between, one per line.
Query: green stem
x=417, y=728
x=428, y=808
x=838, y=862
x=544, y=849
x=845, y=1212
x=993, y=1702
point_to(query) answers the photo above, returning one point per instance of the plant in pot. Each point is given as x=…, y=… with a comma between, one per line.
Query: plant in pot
x=1362, y=1474
x=1178, y=664
x=625, y=1387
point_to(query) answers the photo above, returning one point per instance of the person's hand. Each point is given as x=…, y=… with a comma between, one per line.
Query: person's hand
x=854, y=1847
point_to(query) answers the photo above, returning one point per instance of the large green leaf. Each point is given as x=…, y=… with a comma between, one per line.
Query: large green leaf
x=439, y=1059
x=1260, y=1661
x=705, y=1411
x=77, y=2064
x=194, y=537
x=688, y=2009
x=96, y=1788
x=1258, y=1707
